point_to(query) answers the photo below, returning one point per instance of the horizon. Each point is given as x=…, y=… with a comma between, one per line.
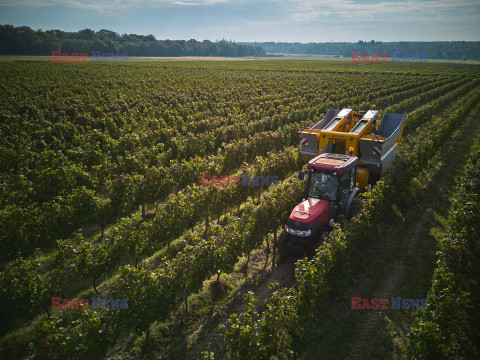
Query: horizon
x=313, y=21
x=258, y=42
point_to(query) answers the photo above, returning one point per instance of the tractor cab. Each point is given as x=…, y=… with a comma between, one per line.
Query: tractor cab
x=330, y=190
x=332, y=178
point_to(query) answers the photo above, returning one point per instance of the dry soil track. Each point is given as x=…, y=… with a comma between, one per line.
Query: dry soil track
x=213, y=340
x=205, y=334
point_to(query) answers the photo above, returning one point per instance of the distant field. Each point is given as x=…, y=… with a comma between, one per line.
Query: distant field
x=101, y=195
x=213, y=58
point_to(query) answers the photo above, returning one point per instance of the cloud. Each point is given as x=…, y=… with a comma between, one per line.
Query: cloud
x=107, y=6
x=196, y=2
x=305, y=20
x=407, y=10
x=300, y=10
x=262, y=23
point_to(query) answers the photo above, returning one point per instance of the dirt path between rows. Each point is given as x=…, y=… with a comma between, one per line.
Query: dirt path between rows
x=188, y=340
x=212, y=339
x=391, y=285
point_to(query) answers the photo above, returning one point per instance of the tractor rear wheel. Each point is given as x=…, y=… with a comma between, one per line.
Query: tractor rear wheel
x=352, y=205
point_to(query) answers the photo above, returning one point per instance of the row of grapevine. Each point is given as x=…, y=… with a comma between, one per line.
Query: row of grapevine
x=441, y=95
x=153, y=293
x=316, y=278
x=78, y=258
x=313, y=277
x=446, y=328
x=348, y=68
x=94, y=259
x=103, y=196
x=423, y=92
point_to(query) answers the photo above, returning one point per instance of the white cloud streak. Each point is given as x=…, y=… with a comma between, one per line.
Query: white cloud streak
x=409, y=10
x=299, y=12
x=107, y=6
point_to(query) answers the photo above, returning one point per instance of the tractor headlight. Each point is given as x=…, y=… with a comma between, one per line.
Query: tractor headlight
x=298, y=232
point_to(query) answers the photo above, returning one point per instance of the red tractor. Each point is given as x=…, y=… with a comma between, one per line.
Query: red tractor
x=347, y=151
x=330, y=191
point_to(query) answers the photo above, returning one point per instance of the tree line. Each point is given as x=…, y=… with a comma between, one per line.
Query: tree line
x=451, y=50
x=26, y=41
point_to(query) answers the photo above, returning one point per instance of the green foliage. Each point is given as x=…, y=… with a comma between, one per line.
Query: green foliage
x=316, y=278
x=448, y=327
x=254, y=336
x=144, y=134
x=23, y=290
x=153, y=293
x=102, y=155
x=434, y=50
x=23, y=40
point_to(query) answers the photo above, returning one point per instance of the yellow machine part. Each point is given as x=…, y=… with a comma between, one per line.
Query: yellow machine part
x=362, y=178
x=338, y=143
x=340, y=139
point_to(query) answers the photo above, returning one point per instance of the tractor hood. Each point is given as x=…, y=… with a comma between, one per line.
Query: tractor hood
x=310, y=210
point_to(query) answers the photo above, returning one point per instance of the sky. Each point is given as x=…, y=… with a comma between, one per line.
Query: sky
x=256, y=20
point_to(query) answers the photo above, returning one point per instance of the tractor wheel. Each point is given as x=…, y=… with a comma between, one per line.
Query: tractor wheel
x=282, y=245
x=352, y=205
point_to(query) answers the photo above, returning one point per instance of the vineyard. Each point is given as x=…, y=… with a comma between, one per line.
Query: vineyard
x=102, y=196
